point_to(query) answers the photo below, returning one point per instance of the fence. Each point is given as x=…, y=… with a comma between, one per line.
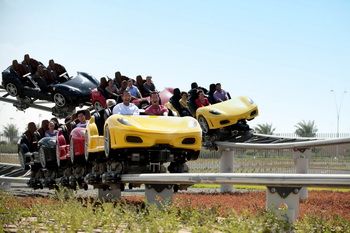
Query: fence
x=324, y=160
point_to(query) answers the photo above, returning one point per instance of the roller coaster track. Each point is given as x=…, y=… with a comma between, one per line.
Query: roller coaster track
x=11, y=170
x=263, y=141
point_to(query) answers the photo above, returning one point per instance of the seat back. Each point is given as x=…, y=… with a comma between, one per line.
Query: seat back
x=44, y=126
x=102, y=87
x=57, y=70
x=20, y=70
x=31, y=63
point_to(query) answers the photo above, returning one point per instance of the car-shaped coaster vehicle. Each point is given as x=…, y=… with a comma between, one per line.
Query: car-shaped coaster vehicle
x=70, y=153
x=226, y=120
x=66, y=92
x=139, y=144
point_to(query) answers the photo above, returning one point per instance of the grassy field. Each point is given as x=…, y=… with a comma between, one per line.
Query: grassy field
x=188, y=213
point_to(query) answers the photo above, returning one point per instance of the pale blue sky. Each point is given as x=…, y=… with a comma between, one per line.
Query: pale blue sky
x=285, y=55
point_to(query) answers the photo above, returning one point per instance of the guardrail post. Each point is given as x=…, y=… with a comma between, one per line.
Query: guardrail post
x=301, y=160
x=113, y=194
x=159, y=194
x=5, y=186
x=284, y=200
x=226, y=166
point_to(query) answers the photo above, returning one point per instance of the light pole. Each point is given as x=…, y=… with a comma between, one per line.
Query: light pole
x=338, y=108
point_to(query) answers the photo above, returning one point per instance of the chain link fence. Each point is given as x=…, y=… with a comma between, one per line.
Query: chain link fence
x=324, y=160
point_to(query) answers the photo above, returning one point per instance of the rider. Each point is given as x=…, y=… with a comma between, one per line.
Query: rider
x=126, y=108
x=81, y=118
x=156, y=108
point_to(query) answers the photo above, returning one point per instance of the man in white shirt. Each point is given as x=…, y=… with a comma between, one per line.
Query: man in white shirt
x=126, y=108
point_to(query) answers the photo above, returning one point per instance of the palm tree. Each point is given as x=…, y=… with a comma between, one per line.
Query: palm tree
x=306, y=129
x=264, y=129
x=10, y=131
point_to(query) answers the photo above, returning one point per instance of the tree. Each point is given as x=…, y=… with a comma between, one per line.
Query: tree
x=264, y=129
x=10, y=131
x=306, y=129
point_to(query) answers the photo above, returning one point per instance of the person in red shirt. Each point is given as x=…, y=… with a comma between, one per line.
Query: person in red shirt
x=155, y=108
x=202, y=101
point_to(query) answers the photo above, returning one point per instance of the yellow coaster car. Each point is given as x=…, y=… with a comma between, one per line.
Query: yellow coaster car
x=173, y=133
x=140, y=144
x=228, y=119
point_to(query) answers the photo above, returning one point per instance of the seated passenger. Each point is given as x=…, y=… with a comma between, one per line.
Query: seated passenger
x=134, y=91
x=118, y=78
x=81, y=118
x=174, y=100
x=220, y=94
x=123, y=86
x=185, y=108
x=112, y=90
x=155, y=108
x=149, y=86
x=212, y=89
x=202, y=101
x=51, y=132
x=126, y=107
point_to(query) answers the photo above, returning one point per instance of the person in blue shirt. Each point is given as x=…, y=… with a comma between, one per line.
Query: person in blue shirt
x=51, y=132
x=134, y=91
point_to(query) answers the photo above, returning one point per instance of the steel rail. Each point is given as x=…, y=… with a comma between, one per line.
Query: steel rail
x=262, y=179
x=285, y=145
x=265, y=179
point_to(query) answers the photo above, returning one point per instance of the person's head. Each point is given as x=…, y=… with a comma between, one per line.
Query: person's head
x=212, y=87
x=194, y=85
x=129, y=83
x=200, y=94
x=126, y=97
x=154, y=98
x=110, y=102
x=218, y=87
x=81, y=116
x=52, y=125
x=124, y=84
x=149, y=79
x=110, y=82
x=177, y=92
x=184, y=94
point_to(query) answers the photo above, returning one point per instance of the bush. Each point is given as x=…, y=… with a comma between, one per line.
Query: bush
x=8, y=148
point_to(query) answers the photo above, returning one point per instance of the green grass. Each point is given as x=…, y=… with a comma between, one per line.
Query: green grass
x=67, y=213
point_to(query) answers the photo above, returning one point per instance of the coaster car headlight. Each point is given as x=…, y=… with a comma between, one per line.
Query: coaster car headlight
x=124, y=121
x=192, y=124
x=215, y=112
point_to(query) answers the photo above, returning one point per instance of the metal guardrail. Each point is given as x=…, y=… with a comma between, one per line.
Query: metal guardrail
x=264, y=179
